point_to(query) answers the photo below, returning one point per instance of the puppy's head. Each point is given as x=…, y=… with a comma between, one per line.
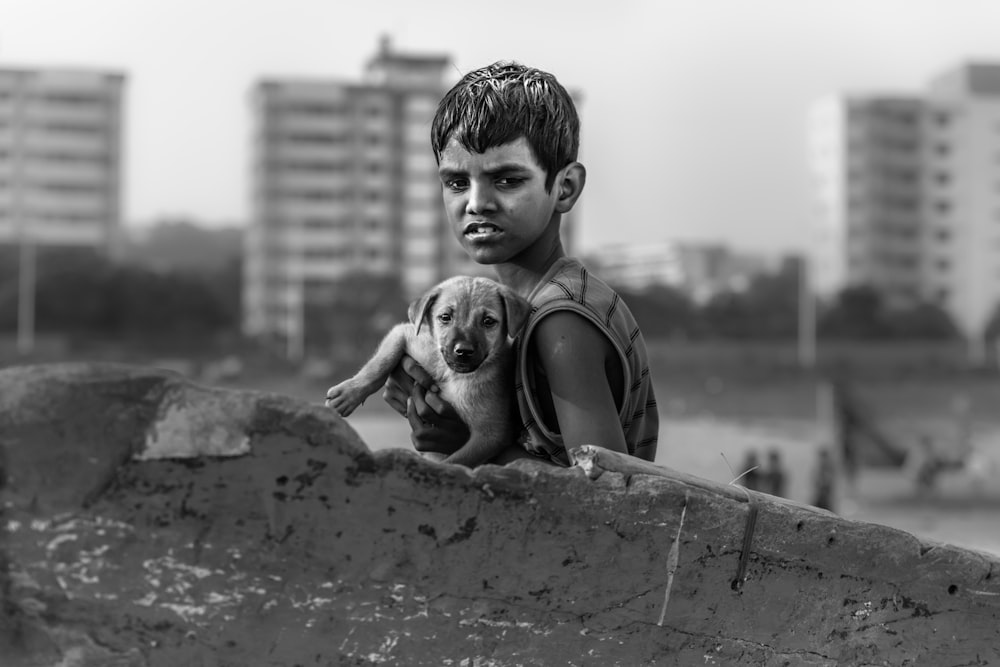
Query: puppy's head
x=470, y=319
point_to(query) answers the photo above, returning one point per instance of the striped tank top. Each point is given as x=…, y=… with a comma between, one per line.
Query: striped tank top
x=568, y=286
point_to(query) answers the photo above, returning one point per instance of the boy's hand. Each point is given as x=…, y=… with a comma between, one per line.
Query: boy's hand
x=434, y=424
x=407, y=375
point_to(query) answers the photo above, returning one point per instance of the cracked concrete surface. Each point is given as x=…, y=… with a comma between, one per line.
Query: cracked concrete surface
x=268, y=534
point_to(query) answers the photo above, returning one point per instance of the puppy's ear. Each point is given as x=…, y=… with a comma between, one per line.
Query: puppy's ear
x=517, y=309
x=420, y=310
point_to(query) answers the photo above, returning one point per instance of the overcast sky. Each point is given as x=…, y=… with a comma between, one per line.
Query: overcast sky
x=694, y=110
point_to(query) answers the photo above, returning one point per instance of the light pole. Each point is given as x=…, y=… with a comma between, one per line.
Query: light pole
x=26, y=294
x=807, y=315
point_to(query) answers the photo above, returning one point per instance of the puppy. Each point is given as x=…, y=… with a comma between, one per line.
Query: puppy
x=460, y=332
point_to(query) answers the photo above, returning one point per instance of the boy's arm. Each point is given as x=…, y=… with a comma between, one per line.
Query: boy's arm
x=577, y=359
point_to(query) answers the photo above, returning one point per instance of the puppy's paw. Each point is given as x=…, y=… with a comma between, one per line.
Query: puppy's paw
x=345, y=397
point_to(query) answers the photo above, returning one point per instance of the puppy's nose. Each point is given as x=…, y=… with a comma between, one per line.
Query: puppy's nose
x=464, y=349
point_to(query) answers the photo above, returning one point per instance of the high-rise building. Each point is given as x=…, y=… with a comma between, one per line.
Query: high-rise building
x=866, y=153
x=60, y=157
x=962, y=194
x=345, y=181
x=908, y=194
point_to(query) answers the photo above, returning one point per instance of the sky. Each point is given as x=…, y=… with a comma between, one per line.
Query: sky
x=693, y=111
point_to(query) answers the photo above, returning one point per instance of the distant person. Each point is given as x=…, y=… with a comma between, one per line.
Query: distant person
x=773, y=478
x=751, y=478
x=506, y=139
x=824, y=480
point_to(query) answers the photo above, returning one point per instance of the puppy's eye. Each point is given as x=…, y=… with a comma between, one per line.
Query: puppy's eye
x=489, y=321
x=444, y=317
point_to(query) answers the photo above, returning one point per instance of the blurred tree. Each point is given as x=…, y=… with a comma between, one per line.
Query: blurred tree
x=766, y=309
x=922, y=321
x=858, y=313
x=855, y=313
x=729, y=315
x=184, y=246
x=80, y=292
x=992, y=331
x=662, y=310
x=349, y=317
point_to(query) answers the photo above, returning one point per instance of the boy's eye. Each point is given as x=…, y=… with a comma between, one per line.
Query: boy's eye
x=509, y=181
x=456, y=184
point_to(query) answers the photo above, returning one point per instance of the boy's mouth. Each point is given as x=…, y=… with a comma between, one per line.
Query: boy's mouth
x=480, y=230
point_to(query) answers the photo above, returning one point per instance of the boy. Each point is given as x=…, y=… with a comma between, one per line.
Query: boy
x=506, y=139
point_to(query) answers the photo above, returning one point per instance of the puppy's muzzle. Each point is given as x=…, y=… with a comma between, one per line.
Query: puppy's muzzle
x=463, y=357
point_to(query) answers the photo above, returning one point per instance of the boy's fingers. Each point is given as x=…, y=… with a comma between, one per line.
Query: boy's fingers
x=399, y=379
x=419, y=408
x=396, y=393
x=417, y=372
x=395, y=398
x=435, y=403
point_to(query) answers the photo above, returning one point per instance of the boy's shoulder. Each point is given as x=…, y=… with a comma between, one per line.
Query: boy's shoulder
x=569, y=281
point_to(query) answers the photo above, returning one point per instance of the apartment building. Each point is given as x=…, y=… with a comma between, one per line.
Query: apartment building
x=962, y=202
x=345, y=181
x=60, y=157
x=867, y=169
x=907, y=194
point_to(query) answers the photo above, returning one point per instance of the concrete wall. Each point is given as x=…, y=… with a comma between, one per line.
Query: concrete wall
x=153, y=522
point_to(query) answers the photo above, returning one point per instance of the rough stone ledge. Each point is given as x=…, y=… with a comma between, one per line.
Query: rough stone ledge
x=151, y=521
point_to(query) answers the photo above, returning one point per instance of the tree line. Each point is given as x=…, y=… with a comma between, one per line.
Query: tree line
x=768, y=308
x=80, y=292
x=83, y=293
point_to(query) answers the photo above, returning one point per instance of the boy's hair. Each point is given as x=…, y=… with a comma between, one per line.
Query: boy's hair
x=502, y=102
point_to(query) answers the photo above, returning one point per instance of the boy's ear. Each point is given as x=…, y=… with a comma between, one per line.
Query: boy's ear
x=570, y=182
x=420, y=309
x=516, y=308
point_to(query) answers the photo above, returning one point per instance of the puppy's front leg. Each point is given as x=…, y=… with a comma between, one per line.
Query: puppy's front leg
x=349, y=394
x=473, y=453
x=486, y=440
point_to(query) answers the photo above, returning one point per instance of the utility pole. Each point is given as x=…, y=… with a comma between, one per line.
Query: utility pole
x=807, y=316
x=27, y=259
x=26, y=295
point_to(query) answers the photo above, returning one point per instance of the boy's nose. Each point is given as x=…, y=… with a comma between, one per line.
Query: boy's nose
x=480, y=199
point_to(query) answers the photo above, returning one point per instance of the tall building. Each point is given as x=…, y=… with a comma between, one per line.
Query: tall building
x=60, y=157
x=908, y=194
x=962, y=201
x=866, y=153
x=345, y=181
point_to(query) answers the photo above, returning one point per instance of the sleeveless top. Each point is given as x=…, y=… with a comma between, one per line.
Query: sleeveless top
x=567, y=285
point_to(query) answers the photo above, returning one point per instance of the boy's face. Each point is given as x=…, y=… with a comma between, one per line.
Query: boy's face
x=496, y=201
